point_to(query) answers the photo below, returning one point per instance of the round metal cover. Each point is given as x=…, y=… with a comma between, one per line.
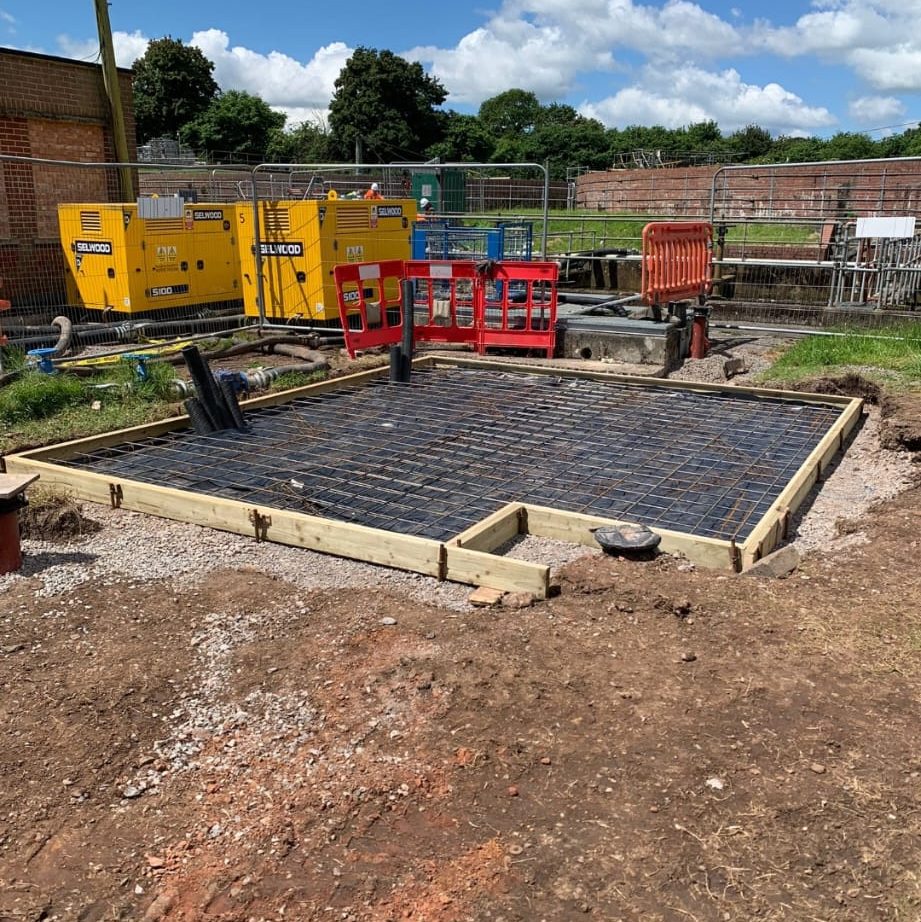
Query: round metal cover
x=622, y=539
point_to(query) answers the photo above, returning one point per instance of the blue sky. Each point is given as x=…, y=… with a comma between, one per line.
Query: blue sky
x=793, y=67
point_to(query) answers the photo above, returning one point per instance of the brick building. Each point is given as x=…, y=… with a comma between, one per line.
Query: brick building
x=55, y=109
x=813, y=191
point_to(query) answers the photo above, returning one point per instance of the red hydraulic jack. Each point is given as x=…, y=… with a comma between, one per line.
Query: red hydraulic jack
x=12, y=499
x=700, y=327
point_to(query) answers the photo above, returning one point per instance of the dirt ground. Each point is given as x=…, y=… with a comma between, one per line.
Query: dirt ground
x=654, y=743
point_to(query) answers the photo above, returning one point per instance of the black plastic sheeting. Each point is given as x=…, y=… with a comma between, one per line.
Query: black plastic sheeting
x=433, y=457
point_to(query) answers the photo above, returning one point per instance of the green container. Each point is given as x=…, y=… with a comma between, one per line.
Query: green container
x=445, y=189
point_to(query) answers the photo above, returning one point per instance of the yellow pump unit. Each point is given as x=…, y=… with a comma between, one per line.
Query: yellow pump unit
x=302, y=242
x=151, y=256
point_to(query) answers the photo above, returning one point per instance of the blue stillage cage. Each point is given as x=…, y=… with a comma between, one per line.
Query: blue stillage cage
x=441, y=240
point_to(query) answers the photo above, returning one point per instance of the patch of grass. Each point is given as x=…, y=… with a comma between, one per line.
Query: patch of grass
x=36, y=396
x=39, y=409
x=80, y=421
x=158, y=385
x=14, y=359
x=294, y=379
x=568, y=230
x=893, y=356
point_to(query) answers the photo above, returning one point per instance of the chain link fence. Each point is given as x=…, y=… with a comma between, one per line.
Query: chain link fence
x=789, y=245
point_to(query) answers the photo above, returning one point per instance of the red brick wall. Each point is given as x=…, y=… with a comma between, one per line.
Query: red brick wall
x=55, y=109
x=814, y=190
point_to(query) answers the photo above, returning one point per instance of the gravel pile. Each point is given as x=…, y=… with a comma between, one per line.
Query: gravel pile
x=555, y=554
x=758, y=356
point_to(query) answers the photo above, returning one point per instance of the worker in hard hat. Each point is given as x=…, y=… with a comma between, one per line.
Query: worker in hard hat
x=425, y=210
x=374, y=192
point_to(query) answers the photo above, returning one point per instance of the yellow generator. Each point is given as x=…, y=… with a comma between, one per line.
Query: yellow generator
x=156, y=255
x=301, y=243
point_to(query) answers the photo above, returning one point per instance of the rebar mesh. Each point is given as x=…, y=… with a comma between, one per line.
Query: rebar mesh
x=434, y=457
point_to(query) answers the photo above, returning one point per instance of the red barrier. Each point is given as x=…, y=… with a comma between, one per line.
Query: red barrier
x=511, y=305
x=444, y=301
x=517, y=306
x=370, y=303
x=677, y=261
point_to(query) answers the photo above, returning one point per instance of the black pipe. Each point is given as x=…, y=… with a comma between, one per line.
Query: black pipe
x=396, y=364
x=406, y=365
x=206, y=387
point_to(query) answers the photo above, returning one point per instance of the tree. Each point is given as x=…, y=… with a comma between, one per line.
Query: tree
x=513, y=112
x=566, y=139
x=796, y=150
x=463, y=138
x=236, y=127
x=388, y=103
x=750, y=141
x=849, y=145
x=308, y=142
x=172, y=86
x=702, y=138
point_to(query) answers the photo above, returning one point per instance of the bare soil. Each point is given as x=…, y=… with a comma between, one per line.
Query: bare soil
x=656, y=743
x=53, y=516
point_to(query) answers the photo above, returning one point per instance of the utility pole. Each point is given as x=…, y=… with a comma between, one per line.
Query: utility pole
x=113, y=93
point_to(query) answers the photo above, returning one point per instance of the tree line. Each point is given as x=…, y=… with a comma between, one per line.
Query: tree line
x=387, y=109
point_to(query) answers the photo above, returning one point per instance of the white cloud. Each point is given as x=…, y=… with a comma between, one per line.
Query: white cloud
x=880, y=40
x=876, y=110
x=544, y=45
x=831, y=32
x=896, y=68
x=280, y=80
x=298, y=115
x=301, y=91
x=129, y=46
x=9, y=19
x=689, y=94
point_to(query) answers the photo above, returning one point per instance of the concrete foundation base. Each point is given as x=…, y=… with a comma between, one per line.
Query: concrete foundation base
x=619, y=339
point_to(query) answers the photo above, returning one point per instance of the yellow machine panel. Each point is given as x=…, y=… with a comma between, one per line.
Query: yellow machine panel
x=301, y=243
x=118, y=261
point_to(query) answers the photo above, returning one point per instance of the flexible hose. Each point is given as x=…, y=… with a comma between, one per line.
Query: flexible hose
x=67, y=330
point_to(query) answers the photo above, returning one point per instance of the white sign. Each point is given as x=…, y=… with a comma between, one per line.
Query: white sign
x=893, y=228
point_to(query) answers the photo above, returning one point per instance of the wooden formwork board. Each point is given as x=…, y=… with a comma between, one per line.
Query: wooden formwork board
x=264, y=523
x=464, y=558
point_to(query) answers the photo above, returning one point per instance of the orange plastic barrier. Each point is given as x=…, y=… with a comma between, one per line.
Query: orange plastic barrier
x=370, y=303
x=677, y=261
